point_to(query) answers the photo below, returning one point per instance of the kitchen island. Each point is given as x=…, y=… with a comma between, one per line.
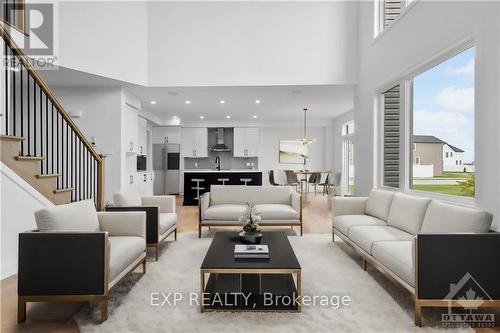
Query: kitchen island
x=215, y=177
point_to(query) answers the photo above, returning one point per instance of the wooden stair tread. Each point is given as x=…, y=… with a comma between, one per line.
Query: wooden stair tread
x=49, y=175
x=62, y=190
x=11, y=138
x=29, y=158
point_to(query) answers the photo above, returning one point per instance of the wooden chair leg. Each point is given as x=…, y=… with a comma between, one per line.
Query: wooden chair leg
x=418, y=314
x=144, y=266
x=175, y=234
x=199, y=230
x=21, y=309
x=104, y=309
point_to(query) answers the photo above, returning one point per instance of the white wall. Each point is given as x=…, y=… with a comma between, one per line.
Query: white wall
x=101, y=119
x=15, y=218
x=269, y=148
x=337, y=140
x=106, y=38
x=251, y=43
x=428, y=29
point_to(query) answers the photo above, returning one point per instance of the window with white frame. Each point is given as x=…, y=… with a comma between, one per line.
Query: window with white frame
x=442, y=118
x=348, y=158
x=391, y=138
x=388, y=11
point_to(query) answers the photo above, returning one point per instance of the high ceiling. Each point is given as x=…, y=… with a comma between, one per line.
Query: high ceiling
x=275, y=103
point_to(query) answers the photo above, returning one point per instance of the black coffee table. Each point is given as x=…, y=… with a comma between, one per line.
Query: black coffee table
x=250, y=284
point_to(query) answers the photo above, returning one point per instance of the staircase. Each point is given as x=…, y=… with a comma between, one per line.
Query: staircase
x=38, y=139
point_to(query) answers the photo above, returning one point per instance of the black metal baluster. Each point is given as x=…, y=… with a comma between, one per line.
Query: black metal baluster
x=80, y=169
x=28, y=77
x=34, y=117
x=14, y=71
x=57, y=149
x=41, y=129
x=47, y=134
x=52, y=140
x=88, y=174
x=67, y=153
x=6, y=91
x=73, y=171
x=22, y=108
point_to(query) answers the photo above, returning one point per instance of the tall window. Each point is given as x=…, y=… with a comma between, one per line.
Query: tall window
x=391, y=108
x=443, y=127
x=348, y=158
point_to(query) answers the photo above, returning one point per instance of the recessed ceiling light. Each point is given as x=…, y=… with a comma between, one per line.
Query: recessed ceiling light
x=257, y=101
x=255, y=117
x=222, y=101
x=228, y=117
x=202, y=117
x=188, y=102
x=153, y=102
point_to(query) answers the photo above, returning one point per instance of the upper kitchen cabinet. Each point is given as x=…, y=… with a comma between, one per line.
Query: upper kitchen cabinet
x=246, y=142
x=130, y=127
x=167, y=134
x=142, y=127
x=195, y=142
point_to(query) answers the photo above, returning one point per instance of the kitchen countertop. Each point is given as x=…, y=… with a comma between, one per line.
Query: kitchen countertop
x=212, y=170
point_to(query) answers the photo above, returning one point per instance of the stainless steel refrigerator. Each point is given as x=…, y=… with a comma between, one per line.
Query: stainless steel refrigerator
x=166, y=162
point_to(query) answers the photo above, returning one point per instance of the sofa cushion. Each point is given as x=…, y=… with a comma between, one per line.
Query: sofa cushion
x=366, y=236
x=123, y=250
x=239, y=194
x=379, y=203
x=397, y=256
x=224, y=212
x=444, y=217
x=167, y=221
x=276, y=212
x=127, y=198
x=407, y=212
x=76, y=216
x=344, y=222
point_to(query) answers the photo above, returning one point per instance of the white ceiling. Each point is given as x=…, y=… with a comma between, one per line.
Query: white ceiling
x=277, y=103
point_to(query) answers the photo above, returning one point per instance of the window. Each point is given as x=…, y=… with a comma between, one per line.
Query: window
x=418, y=159
x=414, y=146
x=388, y=11
x=391, y=110
x=348, y=158
x=442, y=116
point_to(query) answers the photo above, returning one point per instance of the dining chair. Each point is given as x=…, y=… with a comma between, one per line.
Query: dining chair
x=314, y=180
x=335, y=182
x=272, y=180
x=326, y=183
x=291, y=179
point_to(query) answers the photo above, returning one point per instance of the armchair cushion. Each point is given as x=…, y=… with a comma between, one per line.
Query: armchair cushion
x=443, y=217
x=165, y=202
x=407, y=212
x=167, y=221
x=127, y=198
x=123, y=250
x=76, y=216
x=123, y=223
x=344, y=222
x=296, y=201
x=379, y=203
x=224, y=212
x=276, y=212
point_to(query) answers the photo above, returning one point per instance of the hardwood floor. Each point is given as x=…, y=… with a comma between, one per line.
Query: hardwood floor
x=58, y=317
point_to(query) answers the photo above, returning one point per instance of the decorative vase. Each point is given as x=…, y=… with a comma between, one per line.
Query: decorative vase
x=253, y=237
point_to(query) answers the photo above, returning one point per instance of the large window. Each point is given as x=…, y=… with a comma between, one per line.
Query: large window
x=348, y=158
x=388, y=11
x=442, y=131
x=391, y=108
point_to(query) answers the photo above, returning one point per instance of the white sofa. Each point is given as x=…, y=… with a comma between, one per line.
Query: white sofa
x=161, y=218
x=225, y=204
x=78, y=254
x=386, y=227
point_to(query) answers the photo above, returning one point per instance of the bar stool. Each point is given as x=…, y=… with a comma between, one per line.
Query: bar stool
x=223, y=180
x=246, y=180
x=197, y=187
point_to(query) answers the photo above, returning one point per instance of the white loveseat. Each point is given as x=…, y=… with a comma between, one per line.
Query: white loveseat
x=225, y=204
x=387, y=227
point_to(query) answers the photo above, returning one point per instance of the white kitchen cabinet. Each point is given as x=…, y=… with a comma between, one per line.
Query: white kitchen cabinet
x=142, y=126
x=130, y=127
x=167, y=134
x=246, y=142
x=195, y=142
x=142, y=182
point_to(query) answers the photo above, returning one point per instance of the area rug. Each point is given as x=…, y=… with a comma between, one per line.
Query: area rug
x=328, y=268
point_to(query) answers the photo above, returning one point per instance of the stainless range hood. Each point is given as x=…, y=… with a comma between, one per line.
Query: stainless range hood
x=220, y=146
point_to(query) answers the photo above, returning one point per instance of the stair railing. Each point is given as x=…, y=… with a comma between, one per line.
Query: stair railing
x=30, y=110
